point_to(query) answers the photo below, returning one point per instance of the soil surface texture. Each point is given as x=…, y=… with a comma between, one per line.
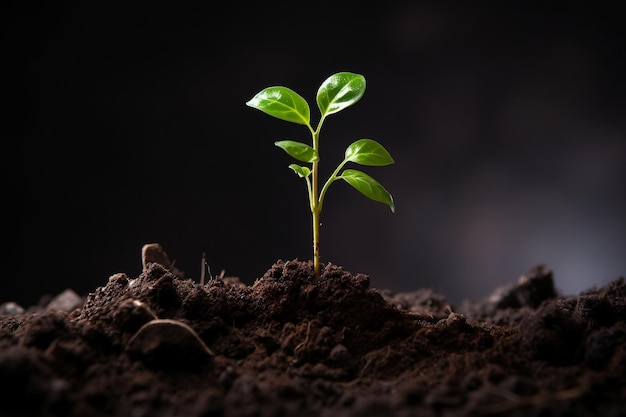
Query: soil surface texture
x=293, y=344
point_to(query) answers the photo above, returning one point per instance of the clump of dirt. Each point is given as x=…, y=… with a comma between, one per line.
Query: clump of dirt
x=294, y=344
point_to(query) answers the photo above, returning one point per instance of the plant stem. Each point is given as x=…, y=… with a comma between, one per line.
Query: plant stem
x=316, y=242
x=315, y=210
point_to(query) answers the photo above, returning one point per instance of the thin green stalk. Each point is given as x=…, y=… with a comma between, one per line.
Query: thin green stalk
x=316, y=206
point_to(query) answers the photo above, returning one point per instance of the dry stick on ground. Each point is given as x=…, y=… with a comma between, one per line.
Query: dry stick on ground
x=204, y=268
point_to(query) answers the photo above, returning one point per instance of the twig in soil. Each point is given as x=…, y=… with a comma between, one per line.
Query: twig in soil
x=204, y=268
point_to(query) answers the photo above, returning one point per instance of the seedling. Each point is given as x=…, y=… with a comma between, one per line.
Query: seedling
x=338, y=92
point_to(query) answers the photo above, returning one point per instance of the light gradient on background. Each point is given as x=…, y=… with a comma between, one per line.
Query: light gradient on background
x=506, y=122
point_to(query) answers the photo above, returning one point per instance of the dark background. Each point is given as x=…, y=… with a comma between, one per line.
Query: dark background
x=128, y=126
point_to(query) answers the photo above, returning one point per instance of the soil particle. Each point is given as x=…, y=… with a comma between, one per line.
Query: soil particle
x=161, y=344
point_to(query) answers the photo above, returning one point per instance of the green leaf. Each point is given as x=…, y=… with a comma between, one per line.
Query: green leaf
x=368, y=152
x=368, y=186
x=339, y=91
x=282, y=103
x=303, y=172
x=297, y=150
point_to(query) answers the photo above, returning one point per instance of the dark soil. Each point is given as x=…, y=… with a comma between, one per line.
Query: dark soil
x=294, y=345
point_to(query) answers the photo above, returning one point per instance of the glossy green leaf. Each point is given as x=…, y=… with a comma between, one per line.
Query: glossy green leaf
x=297, y=150
x=339, y=91
x=282, y=103
x=303, y=172
x=368, y=186
x=368, y=152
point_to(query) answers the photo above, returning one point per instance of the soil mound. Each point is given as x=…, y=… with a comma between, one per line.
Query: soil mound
x=293, y=344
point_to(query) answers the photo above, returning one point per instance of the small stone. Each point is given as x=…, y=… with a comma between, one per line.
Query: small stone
x=154, y=253
x=68, y=300
x=11, y=309
x=167, y=344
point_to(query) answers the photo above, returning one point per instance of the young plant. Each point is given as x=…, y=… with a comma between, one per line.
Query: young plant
x=338, y=92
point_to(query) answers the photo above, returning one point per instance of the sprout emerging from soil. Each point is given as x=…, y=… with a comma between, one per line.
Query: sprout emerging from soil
x=336, y=93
